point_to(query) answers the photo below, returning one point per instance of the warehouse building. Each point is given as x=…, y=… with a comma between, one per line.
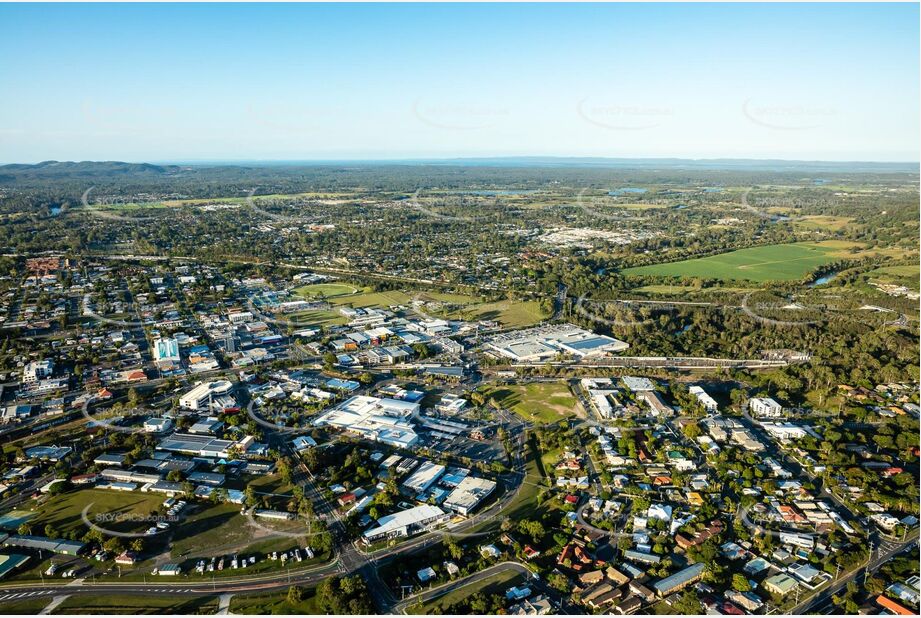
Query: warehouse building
x=468, y=494
x=405, y=523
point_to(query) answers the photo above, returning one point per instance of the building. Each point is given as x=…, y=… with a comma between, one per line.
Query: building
x=780, y=584
x=405, y=523
x=544, y=342
x=377, y=419
x=43, y=543
x=207, y=396
x=709, y=403
x=765, y=407
x=166, y=350
x=9, y=562
x=896, y=608
x=680, y=580
x=468, y=494
x=424, y=477
x=35, y=371
x=200, y=446
x=157, y=425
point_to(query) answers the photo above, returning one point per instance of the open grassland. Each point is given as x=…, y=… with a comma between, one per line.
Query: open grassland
x=28, y=606
x=146, y=604
x=511, y=313
x=769, y=263
x=903, y=274
x=325, y=290
x=539, y=402
x=822, y=222
x=64, y=511
x=494, y=584
x=274, y=603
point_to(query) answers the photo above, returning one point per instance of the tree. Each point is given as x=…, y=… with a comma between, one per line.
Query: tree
x=295, y=595
x=740, y=583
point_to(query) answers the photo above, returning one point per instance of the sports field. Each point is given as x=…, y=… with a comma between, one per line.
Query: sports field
x=768, y=263
x=325, y=290
x=540, y=402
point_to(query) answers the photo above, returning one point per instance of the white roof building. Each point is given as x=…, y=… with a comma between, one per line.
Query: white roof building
x=468, y=494
x=708, y=402
x=217, y=392
x=381, y=420
x=405, y=522
x=424, y=477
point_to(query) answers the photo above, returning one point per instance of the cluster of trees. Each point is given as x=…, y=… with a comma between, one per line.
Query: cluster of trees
x=344, y=595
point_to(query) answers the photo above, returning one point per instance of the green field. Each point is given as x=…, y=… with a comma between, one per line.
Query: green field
x=494, y=584
x=124, y=604
x=274, y=603
x=768, y=263
x=63, y=511
x=904, y=274
x=540, y=402
x=325, y=290
x=511, y=313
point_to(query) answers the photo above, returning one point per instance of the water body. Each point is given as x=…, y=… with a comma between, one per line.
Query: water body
x=492, y=192
x=823, y=279
x=627, y=191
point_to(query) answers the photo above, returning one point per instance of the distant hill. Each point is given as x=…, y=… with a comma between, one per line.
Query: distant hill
x=59, y=170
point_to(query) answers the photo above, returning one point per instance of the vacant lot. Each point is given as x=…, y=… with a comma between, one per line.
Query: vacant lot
x=124, y=604
x=769, y=263
x=325, y=290
x=63, y=511
x=540, y=402
x=512, y=313
x=274, y=603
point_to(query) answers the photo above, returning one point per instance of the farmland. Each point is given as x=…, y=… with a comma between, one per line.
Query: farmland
x=788, y=262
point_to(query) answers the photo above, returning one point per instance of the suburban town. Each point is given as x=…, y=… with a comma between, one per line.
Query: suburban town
x=463, y=308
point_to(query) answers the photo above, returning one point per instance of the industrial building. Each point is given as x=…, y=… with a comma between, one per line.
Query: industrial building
x=543, y=342
x=468, y=494
x=378, y=419
x=405, y=523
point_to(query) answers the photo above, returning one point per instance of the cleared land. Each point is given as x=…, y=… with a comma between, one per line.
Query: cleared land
x=494, y=584
x=768, y=263
x=512, y=313
x=905, y=274
x=274, y=603
x=63, y=511
x=124, y=604
x=325, y=290
x=540, y=402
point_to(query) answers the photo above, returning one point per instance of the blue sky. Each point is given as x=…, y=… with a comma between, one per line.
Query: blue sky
x=231, y=82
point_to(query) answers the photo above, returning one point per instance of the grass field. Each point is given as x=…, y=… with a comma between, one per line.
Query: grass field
x=124, y=604
x=540, y=402
x=29, y=606
x=63, y=511
x=274, y=603
x=494, y=584
x=904, y=274
x=822, y=222
x=512, y=313
x=326, y=290
x=768, y=263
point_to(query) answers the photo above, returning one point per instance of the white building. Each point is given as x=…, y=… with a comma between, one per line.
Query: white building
x=166, y=350
x=424, y=477
x=37, y=370
x=373, y=418
x=765, y=407
x=468, y=494
x=785, y=431
x=708, y=402
x=405, y=523
x=217, y=393
x=543, y=342
x=156, y=425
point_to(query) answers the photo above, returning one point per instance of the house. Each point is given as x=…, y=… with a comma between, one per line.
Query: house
x=426, y=574
x=780, y=584
x=894, y=607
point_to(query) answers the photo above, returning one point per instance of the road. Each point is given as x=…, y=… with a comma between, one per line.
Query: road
x=443, y=589
x=881, y=556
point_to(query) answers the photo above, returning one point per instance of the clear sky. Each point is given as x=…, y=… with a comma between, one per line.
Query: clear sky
x=244, y=82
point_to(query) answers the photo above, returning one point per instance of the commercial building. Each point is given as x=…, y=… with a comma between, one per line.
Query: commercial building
x=208, y=395
x=372, y=418
x=543, y=342
x=201, y=446
x=166, y=350
x=405, y=523
x=424, y=477
x=468, y=494
x=37, y=370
